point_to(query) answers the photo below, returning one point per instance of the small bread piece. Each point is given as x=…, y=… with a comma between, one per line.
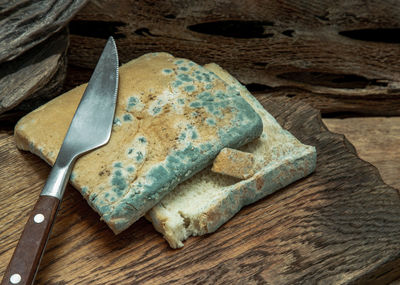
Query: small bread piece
x=206, y=201
x=234, y=163
x=172, y=119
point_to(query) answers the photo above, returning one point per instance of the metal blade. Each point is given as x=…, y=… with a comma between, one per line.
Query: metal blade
x=92, y=123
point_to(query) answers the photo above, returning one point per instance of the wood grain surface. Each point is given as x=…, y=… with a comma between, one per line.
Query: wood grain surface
x=25, y=24
x=36, y=77
x=339, y=56
x=377, y=140
x=340, y=225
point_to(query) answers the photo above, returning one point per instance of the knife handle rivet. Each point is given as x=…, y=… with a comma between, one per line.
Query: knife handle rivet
x=38, y=218
x=15, y=278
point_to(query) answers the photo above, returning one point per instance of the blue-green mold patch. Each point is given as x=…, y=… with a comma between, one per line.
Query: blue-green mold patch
x=132, y=102
x=167, y=71
x=117, y=122
x=142, y=139
x=210, y=121
x=85, y=190
x=195, y=104
x=118, y=183
x=139, y=156
x=118, y=164
x=176, y=83
x=127, y=117
x=190, y=88
x=184, y=77
x=156, y=110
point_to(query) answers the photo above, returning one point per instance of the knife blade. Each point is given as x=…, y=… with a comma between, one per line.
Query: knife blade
x=90, y=128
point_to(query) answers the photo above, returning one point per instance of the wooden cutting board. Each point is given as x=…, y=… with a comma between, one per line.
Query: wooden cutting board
x=339, y=225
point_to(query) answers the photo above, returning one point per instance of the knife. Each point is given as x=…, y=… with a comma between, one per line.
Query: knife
x=90, y=128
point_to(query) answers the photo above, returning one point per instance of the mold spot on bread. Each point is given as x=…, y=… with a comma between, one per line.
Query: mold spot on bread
x=155, y=110
x=139, y=156
x=189, y=88
x=134, y=104
x=127, y=117
x=210, y=121
x=118, y=165
x=118, y=183
x=84, y=190
x=184, y=77
x=176, y=83
x=167, y=71
x=117, y=122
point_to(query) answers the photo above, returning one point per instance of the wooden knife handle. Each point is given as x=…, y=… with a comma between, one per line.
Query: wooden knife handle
x=28, y=253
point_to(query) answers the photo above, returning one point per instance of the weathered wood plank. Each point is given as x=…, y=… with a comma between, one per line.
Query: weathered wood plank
x=340, y=225
x=377, y=141
x=36, y=76
x=25, y=24
x=339, y=56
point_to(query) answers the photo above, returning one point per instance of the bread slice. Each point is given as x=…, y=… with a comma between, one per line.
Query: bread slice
x=172, y=118
x=203, y=203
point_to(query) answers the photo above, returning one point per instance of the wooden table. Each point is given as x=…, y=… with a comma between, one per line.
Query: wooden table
x=339, y=225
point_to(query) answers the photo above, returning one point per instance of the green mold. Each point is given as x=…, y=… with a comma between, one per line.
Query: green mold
x=195, y=104
x=139, y=156
x=119, y=183
x=189, y=88
x=210, y=121
x=118, y=164
x=167, y=71
x=156, y=110
x=132, y=102
x=176, y=83
x=127, y=117
x=194, y=135
x=117, y=122
x=184, y=77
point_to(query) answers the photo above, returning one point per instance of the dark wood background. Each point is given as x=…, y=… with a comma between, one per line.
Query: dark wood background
x=339, y=56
